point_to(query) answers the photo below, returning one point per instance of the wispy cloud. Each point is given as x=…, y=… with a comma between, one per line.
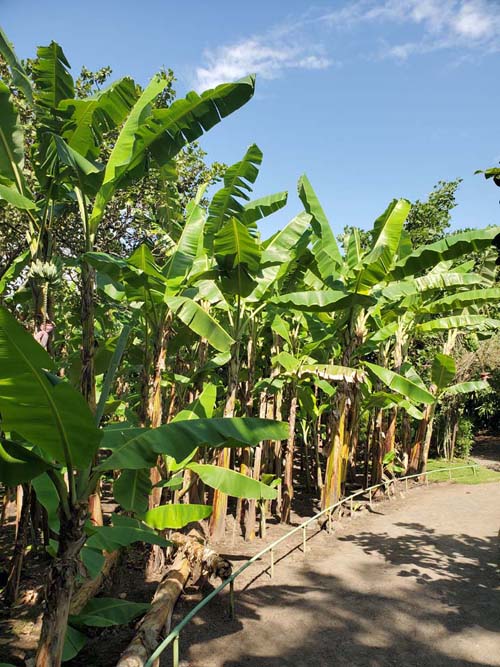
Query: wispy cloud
x=471, y=26
x=443, y=24
x=268, y=56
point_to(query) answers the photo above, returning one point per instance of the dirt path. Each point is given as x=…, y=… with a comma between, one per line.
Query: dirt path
x=412, y=583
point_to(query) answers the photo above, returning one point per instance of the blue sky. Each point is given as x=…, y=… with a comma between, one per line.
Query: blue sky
x=373, y=100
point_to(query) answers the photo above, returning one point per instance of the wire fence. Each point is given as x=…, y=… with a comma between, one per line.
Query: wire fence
x=174, y=635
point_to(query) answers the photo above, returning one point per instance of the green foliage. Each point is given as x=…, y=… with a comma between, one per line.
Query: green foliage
x=106, y=612
x=175, y=516
x=428, y=220
x=465, y=438
x=44, y=410
x=232, y=483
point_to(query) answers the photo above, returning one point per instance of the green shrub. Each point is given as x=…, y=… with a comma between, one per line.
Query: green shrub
x=465, y=438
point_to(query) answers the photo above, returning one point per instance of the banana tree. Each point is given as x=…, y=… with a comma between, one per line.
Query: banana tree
x=69, y=143
x=351, y=290
x=50, y=431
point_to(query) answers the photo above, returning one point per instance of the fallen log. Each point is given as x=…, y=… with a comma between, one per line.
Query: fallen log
x=193, y=560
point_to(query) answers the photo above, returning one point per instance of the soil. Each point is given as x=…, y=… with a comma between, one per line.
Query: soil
x=410, y=582
x=414, y=582
x=486, y=451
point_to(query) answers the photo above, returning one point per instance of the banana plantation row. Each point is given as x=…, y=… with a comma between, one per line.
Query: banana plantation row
x=153, y=343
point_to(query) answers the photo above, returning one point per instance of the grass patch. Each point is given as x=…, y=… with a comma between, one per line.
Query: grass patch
x=465, y=476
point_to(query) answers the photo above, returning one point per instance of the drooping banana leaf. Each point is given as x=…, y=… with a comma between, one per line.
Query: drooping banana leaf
x=474, y=322
x=165, y=132
x=401, y=385
x=134, y=448
x=44, y=410
x=450, y=248
x=175, y=516
x=232, y=483
x=322, y=301
x=199, y=321
x=263, y=207
x=18, y=464
x=466, y=388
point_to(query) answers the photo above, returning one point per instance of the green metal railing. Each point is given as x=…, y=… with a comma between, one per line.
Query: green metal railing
x=173, y=637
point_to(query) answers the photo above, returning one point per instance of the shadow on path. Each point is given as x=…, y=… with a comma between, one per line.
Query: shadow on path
x=444, y=596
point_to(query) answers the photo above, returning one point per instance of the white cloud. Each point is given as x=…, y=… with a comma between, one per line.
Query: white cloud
x=467, y=25
x=444, y=24
x=266, y=56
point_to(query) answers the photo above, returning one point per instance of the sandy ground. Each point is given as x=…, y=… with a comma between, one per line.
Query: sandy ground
x=414, y=582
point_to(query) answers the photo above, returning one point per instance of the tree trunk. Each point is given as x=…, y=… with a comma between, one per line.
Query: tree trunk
x=87, y=375
x=16, y=562
x=286, y=504
x=416, y=451
x=333, y=479
x=219, y=503
x=387, y=443
x=59, y=589
x=424, y=451
x=90, y=587
x=156, y=561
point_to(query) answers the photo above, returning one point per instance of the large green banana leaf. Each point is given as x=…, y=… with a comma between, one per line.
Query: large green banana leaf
x=385, y=401
x=19, y=75
x=18, y=464
x=199, y=321
x=479, y=322
x=124, y=531
x=180, y=262
x=43, y=410
x=277, y=255
x=322, y=301
x=11, y=142
x=105, y=612
x=464, y=299
x=449, y=248
x=387, y=233
x=11, y=195
x=325, y=248
x=175, y=516
x=134, y=448
x=238, y=180
x=52, y=81
x=131, y=490
x=353, y=252
x=466, y=388
x=142, y=258
x=232, y=483
x=90, y=118
x=125, y=148
x=443, y=370
x=235, y=246
x=263, y=207
x=165, y=131
x=429, y=283
x=401, y=385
